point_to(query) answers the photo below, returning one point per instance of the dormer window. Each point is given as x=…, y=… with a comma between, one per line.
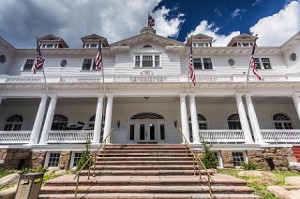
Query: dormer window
x=200, y=44
x=93, y=45
x=49, y=46
x=243, y=44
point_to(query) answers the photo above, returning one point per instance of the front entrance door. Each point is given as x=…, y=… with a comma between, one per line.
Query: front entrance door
x=147, y=132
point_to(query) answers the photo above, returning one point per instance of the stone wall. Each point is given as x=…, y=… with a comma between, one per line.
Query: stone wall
x=64, y=160
x=279, y=156
x=15, y=158
x=38, y=159
x=227, y=159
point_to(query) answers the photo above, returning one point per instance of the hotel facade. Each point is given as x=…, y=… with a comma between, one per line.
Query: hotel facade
x=144, y=95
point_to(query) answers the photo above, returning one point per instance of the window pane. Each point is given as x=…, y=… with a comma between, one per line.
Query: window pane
x=278, y=125
x=77, y=157
x=237, y=157
x=197, y=63
x=137, y=61
x=162, y=132
x=53, y=159
x=157, y=62
x=147, y=61
x=28, y=65
x=256, y=62
x=86, y=64
x=207, y=63
x=131, y=134
x=288, y=125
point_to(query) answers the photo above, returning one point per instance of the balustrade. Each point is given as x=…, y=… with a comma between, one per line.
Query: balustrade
x=222, y=136
x=14, y=137
x=68, y=136
x=281, y=135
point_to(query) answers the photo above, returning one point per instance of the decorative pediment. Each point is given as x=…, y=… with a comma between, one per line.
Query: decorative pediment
x=52, y=39
x=200, y=38
x=243, y=38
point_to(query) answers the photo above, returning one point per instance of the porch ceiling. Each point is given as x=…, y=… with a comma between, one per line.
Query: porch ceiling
x=272, y=100
x=145, y=99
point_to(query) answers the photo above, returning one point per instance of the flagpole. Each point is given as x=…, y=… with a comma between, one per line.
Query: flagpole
x=45, y=81
x=247, y=78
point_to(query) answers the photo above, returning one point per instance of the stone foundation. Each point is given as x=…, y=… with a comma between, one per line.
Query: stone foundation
x=38, y=159
x=227, y=159
x=64, y=160
x=15, y=158
x=280, y=157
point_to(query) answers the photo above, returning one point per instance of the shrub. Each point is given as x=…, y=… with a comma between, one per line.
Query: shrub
x=248, y=165
x=209, y=160
x=84, y=157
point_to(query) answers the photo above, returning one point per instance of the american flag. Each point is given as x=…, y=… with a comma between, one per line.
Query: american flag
x=252, y=64
x=151, y=21
x=191, y=65
x=39, y=63
x=98, y=59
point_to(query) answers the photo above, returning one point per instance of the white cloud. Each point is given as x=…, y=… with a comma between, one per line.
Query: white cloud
x=278, y=28
x=73, y=19
x=211, y=30
x=237, y=12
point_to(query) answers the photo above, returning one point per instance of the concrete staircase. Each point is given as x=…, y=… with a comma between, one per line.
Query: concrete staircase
x=296, y=151
x=144, y=172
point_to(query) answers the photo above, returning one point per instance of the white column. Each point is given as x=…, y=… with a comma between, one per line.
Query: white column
x=98, y=120
x=48, y=120
x=194, y=120
x=184, y=117
x=1, y=100
x=38, y=121
x=253, y=120
x=108, y=118
x=243, y=118
x=296, y=101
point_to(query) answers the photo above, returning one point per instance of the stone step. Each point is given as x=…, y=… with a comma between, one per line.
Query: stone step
x=145, y=151
x=146, y=146
x=146, y=189
x=148, y=196
x=145, y=172
x=146, y=154
x=98, y=158
x=183, y=162
x=145, y=167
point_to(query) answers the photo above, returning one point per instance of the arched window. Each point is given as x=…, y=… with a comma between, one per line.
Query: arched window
x=146, y=115
x=13, y=123
x=60, y=122
x=282, y=121
x=92, y=121
x=201, y=122
x=234, y=121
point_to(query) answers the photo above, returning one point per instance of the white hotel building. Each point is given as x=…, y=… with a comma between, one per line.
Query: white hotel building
x=146, y=97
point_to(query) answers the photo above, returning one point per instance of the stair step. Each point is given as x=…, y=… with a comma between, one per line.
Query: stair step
x=144, y=162
x=145, y=167
x=147, y=196
x=146, y=189
x=161, y=154
x=144, y=158
x=145, y=151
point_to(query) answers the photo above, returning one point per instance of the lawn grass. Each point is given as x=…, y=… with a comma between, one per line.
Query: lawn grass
x=261, y=189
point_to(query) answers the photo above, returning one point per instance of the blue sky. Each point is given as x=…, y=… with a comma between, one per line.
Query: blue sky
x=274, y=21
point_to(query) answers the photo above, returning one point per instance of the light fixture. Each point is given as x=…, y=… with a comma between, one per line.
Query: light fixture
x=175, y=123
x=118, y=123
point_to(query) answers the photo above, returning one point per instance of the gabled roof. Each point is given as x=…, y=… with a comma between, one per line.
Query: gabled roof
x=242, y=38
x=291, y=42
x=53, y=39
x=6, y=44
x=95, y=38
x=199, y=38
x=146, y=36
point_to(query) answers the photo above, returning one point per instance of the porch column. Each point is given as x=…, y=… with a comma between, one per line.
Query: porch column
x=38, y=121
x=48, y=120
x=194, y=120
x=296, y=101
x=243, y=118
x=253, y=120
x=184, y=118
x=108, y=118
x=98, y=120
x=1, y=100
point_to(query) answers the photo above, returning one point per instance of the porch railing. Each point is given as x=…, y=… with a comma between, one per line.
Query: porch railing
x=14, y=137
x=222, y=136
x=69, y=136
x=281, y=135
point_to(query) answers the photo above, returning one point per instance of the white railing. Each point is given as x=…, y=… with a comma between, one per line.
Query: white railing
x=70, y=136
x=222, y=136
x=26, y=80
x=281, y=135
x=14, y=137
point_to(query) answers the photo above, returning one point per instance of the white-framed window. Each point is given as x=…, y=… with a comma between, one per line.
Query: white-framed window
x=60, y=122
x=52, y=159
x=262, y=63
x=28, y=65
x=89, y=64
x=202, y=63
x=282, y=121
x=147, y=61
x=49, y=46
x=13, y=123
x=243, y=44
x=238, y=157
x=75, y=157
x=234, y=121
x=91, y=45
x=201, y=44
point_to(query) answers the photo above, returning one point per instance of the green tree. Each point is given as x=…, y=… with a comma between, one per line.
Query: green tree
x=85, y=157
x=209, y=160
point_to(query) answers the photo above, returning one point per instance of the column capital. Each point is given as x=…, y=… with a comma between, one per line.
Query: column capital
x=43, y=96
x=100, y=95
x=110, y=95
x=239, y=94
x=192, y=95
x=182, y=94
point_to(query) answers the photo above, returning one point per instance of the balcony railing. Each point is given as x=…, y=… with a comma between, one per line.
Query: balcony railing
x=281, y=135
x=67, y=136
x=222, y=136
x=14, y=137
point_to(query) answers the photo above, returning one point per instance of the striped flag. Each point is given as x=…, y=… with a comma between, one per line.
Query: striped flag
x=192, y=74
x=151, y=21
x=98, y=59
x=252, y=64
x=39, y=63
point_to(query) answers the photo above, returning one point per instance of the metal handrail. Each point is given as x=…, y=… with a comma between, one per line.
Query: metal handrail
x=90, y=163
x=196, y=157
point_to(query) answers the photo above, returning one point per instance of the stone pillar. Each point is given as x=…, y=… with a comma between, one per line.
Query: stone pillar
x=108, y=118
x=253, y=120
x=243, y=119
x=48, y=120
x=194, y=120
x=38, y=121
x=296, y=101
x=98, y=120
x=184, y=118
